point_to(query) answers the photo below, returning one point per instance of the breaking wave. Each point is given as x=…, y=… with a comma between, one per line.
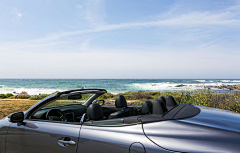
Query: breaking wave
x=30, y=91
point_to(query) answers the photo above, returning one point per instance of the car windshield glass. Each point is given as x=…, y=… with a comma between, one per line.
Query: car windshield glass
x=68, y=100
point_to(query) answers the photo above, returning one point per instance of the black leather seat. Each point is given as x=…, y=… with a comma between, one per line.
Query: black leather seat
x=120, y=102
x=94, y=112
x=170, y=102
x=147, y=107
x=159, y=107
x=163, y=99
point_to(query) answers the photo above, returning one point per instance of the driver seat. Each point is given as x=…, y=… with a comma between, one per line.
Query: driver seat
x=95, y=112
x=120, y=102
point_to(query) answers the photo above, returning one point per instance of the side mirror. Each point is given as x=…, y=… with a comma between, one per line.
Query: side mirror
x=17, y=117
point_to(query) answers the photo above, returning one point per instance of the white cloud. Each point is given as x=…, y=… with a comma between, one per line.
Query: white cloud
x=190, y=20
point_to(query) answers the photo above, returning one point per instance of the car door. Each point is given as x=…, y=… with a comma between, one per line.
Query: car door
x=43, y=136
x=110, y=136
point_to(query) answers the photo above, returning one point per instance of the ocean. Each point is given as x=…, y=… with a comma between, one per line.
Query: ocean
x=47, y=86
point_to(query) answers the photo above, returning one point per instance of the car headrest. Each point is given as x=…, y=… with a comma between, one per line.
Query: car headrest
x=159, y=107
x=147, y=107
x=170, y=102
x=120, y=101
x=94, y=112
x=163, y=99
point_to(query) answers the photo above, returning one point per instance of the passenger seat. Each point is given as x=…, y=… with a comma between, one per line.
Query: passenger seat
x=163, y=99
x=120, y=102
x=159, y=107
x=94, y=112
x=147, y=107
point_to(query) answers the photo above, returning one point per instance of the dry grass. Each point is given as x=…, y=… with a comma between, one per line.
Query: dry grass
x=10, y=106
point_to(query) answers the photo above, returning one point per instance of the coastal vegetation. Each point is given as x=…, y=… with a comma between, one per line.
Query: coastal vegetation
x=205, y=97
x=10, y=103
x=2, y=96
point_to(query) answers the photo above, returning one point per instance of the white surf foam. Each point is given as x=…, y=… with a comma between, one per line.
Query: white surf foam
x=164, y=86
x=172, y=86
x=230, y=81
x=30, y=91
x=226, y=80
x=201, y=80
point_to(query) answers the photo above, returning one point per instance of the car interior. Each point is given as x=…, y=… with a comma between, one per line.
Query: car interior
x=72, y=107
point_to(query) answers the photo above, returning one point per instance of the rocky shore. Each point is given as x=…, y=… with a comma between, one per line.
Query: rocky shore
x=229, y=87
x=224, y=87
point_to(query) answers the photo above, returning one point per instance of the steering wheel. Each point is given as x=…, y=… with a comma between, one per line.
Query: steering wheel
x=56, y=115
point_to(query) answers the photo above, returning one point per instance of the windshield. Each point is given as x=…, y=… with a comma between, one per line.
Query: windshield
x=64, y=101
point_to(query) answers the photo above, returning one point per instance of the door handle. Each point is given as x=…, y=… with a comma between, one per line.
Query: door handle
x=66, y=142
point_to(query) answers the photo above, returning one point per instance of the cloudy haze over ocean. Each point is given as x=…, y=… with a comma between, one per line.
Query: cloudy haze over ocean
x=119, y=39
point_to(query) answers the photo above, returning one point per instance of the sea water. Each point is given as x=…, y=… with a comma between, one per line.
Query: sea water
x=47, y=86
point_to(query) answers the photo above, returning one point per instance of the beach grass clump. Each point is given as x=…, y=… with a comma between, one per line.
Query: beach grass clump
x=2, y=96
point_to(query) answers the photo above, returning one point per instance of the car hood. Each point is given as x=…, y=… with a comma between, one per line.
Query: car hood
x=212, y=130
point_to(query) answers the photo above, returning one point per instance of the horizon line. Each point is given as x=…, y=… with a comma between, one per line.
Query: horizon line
x=129, y=78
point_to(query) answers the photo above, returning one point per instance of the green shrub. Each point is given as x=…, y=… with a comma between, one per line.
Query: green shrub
x=39, y=97
x=22, y=96
x=9, y=95
x=106, y=96
x=2, y=96
x=154, y=93
x=141, y=95
x=127, y=95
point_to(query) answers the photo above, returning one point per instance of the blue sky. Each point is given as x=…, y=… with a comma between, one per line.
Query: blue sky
x=119, y=39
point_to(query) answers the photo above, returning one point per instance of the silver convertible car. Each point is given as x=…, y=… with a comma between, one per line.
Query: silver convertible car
x=79, y=121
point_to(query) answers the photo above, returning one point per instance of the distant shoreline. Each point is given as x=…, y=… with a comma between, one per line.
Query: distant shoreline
x=115, y=86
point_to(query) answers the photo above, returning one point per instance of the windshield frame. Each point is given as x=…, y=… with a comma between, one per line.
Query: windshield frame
x=56, y=96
